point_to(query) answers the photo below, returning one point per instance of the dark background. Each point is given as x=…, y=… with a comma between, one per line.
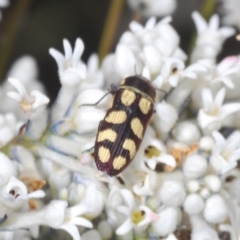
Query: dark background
x=33, y=26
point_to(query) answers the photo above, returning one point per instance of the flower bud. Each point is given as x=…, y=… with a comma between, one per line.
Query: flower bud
x=216, y=210
x=193, y=186
x=166, y=116
x=166, y=223
x=213, y=183
x=193, y=204
x=105, y=230
x=186, y=132
x=172, y=193
x=91, y=234
x=206, y=143
x=194, y=166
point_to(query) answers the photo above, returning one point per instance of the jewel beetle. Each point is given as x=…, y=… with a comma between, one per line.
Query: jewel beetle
x=122, y=129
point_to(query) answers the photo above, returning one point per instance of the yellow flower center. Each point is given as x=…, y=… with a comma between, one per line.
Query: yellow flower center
x=152, y=151
x=137, y=216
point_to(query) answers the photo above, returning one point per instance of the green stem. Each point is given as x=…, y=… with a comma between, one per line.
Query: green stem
x=208, y=8
x=9, y=29
x=110, y=27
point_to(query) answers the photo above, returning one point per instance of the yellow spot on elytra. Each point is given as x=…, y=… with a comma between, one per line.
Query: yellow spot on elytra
x=137, y=216
x=116, y=117
x=107, y=134
x=103, y=154
x=111, y=103
x=119, y=162
x=152, y=151
x=130, y=146
x=128, y=97
x=144, y=105
x=137, y=127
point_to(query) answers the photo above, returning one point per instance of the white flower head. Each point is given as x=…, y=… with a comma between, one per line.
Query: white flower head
x=71, y=70
x=225, y=153
x=210, y=37
x=29, y=103
x=212, y=114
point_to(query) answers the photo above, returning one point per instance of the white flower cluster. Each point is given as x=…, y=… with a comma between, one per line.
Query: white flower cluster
x=184, y=179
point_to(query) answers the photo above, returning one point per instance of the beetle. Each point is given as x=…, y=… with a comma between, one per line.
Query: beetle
x=121, y=131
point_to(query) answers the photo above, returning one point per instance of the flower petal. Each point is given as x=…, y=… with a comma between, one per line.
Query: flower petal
x=81, y=222
x=229, y=108
x=125, y=227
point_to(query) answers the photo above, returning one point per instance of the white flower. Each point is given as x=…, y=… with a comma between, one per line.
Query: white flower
x=210, y=37
x=94, y=75
x=105, y=230
x=234, y=217
x=173, y=70
x=91, y=234
x=193, y=204
x=215, y=210
x=94, y=198
x=14, y=195
x=213, y=183
x=225, y=153
x=165, y=117
x=194, y=166
x=212, y=114
x=156, y=8
x=156, y=152
x=71, y=70
x=136, y=216
x=206, y=143
x=172, y=193
x=29, y=103
x=201, y=230
x=86, y=119
x=166, y=223
x=186, y=132
x=55, y=214
x=143, y=48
